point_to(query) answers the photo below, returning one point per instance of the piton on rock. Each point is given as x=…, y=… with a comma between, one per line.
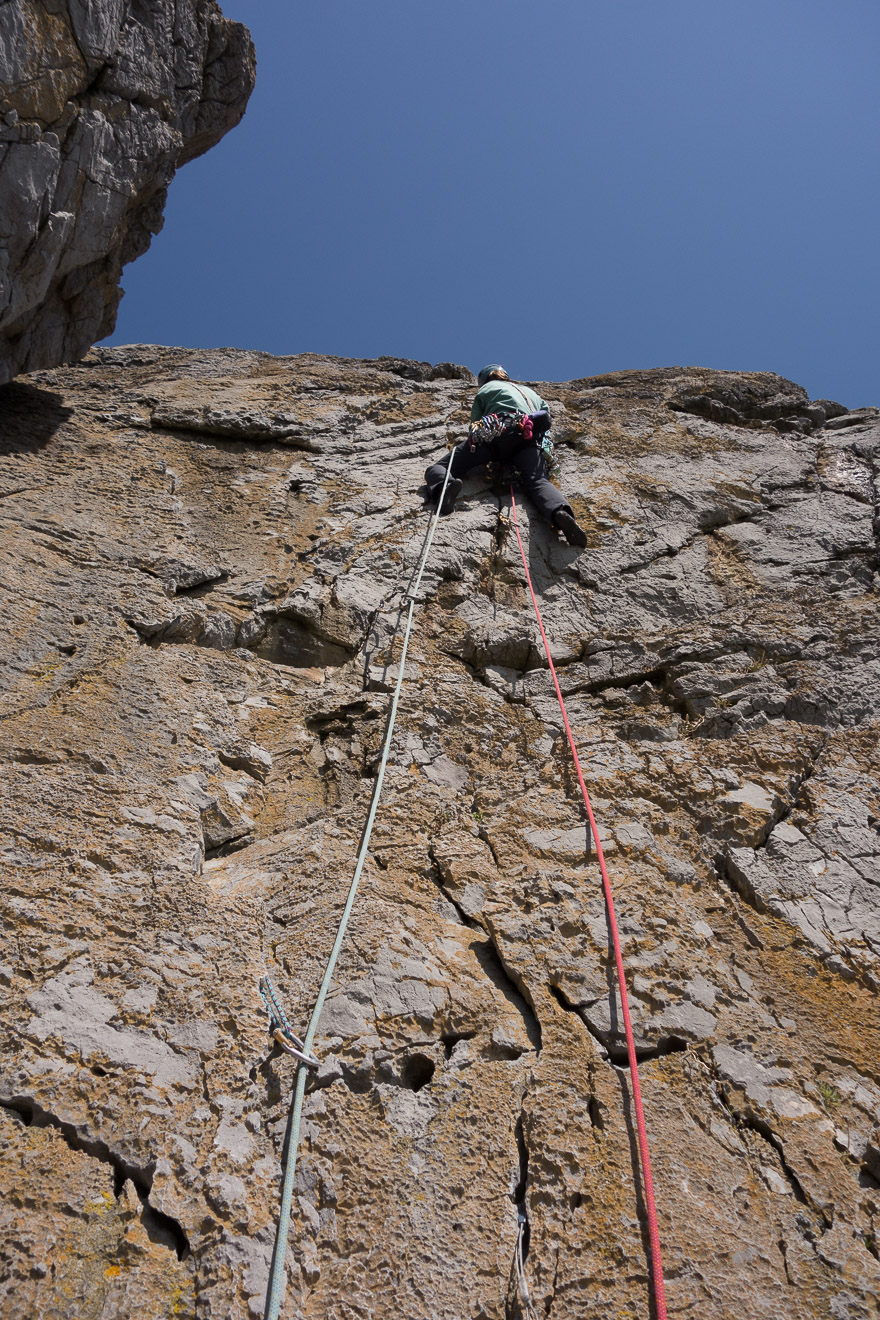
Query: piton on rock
x=205, y=556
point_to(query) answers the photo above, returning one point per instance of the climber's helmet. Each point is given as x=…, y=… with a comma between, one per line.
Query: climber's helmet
x=493, y=369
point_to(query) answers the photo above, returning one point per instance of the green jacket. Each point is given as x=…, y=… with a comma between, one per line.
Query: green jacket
x=502, y=396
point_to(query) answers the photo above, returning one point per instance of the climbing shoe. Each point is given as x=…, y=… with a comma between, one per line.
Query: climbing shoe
x=566, y=524
x=453, y=490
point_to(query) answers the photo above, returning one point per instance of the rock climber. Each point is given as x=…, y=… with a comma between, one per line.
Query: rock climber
x=497, y=435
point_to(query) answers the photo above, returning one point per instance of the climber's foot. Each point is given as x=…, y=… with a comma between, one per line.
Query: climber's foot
x=453, y=490
x=566, y=524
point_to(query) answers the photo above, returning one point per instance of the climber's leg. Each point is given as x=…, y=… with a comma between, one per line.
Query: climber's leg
x=463, y=460
x=548, y=498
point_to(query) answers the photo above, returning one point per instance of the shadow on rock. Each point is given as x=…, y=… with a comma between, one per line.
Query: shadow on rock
x=29, y=417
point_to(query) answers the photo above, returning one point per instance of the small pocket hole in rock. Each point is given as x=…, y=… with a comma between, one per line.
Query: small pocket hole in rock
x=417, y=1071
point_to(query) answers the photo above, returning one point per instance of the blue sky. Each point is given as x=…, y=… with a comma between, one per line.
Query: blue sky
x=570, y=188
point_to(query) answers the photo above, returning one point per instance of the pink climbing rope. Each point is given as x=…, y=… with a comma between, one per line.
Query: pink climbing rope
x=644, y=1155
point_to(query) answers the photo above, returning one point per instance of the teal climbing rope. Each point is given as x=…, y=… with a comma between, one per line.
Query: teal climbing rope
x=304, y=1056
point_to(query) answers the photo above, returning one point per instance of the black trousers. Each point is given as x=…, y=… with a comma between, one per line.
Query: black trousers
x=527, y=459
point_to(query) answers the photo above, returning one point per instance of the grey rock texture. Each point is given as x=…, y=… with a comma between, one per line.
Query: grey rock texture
x=204, y=558
x=100, y=103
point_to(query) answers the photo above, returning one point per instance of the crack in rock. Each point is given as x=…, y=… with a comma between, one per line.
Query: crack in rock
x=161, y=1228
x=611, y=1047
x=511, y=986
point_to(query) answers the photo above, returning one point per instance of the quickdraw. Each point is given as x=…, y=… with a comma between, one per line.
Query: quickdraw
x=281, y=1030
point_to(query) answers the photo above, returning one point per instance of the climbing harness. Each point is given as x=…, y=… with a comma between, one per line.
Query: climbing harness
x=527, y=428
x=498, y=426
x=302, y=1048
x=644, y=1155
x=512, y=426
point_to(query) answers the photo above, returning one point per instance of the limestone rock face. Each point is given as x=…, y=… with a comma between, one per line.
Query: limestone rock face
x=99, y=105
x=204, y=558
